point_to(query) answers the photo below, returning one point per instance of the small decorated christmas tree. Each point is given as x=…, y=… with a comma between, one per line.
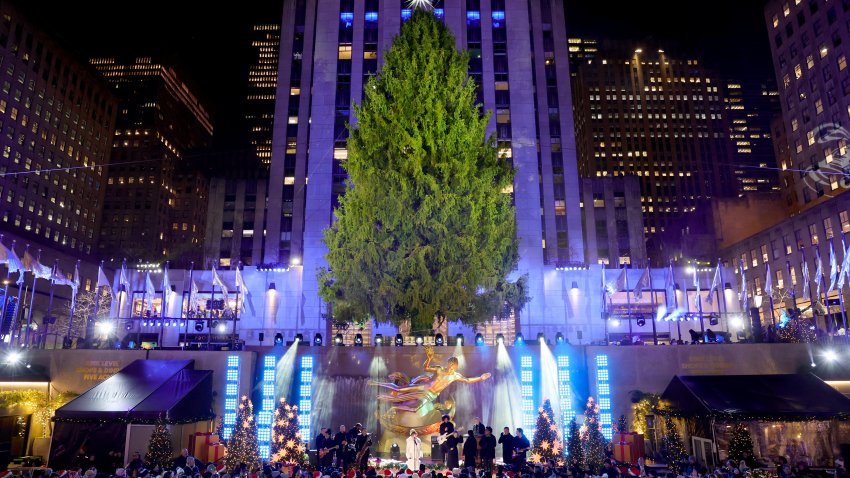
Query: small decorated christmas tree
x=242, y=446
x=287, y=445
x=592, y=439
x=547, y=443
x=160, y=451
x=575, y=451
x=622, y=425
x=740, y=444
x=673, y=450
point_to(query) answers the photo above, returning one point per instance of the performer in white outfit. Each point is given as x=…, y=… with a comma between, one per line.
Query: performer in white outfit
x=413, y=451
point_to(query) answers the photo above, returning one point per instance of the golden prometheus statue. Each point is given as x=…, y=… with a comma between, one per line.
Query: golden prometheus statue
x=413, y=403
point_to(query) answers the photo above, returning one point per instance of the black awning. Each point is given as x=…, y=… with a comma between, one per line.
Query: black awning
x=144, y=392
x=790, y=397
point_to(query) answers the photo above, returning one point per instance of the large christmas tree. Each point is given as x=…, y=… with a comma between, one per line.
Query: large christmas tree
x=575, y=450
x=547, y=443
x=740, y=444
x=592, y=439
x=160, y=451
x=672, y=448
x=426, y=227
x=242, y=445
x=287, y=445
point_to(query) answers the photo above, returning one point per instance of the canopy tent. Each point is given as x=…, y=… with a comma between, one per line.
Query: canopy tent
x=792, y=397
x=144, y=392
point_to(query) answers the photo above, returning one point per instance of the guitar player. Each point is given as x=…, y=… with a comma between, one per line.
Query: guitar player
x=324, y=446
x=446, y=429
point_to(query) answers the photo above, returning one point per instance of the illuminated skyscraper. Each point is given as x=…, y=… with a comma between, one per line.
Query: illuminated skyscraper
x=262, y=83
x=156, y=201
x=329, y=48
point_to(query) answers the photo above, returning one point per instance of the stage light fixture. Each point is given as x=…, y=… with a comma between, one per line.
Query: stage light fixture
x=213, y=324
x=439, y=341
x=358, y=340
x=713, y=319
x=317, y=340
x=541, y=338
x=459, y=339
x=278, y=338
x=830, y=355
x=500, y=339
x=419, y=340
x=199, y=325
x=641, y=322
x=519, y=340
x=13, y=358
x=399, y=340
x=128, y=325
x=559, y=338
x=299, y=338
x=479, y=339
x=221, y=328
x=338, y=340
x=379, y=339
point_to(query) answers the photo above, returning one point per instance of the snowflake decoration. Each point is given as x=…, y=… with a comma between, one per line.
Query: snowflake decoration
x=290, y=444
x=544, y=445
x=535, y=458
x=426, y=4
x=554, y=427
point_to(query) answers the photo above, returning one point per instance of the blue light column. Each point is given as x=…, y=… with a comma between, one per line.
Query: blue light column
x=527, y=393
x=267, y=406
x=603, y=390
x=305, y=394
x=231, y=395
x=565, y=394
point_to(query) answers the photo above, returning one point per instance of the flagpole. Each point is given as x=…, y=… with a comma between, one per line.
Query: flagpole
x=91, y=319
x=32, y=302
x=699, y=299
x=18, y=309
x=605, y=305
x=210, y=311
x=50, y=302
x=162, y=315
x=188, y=305
x=722, y=293
x=791, y=286
x=164, y=301
x=74, y=304
x=8, y=280
x=628, y=300
x=654, y=303
x=825, y=299
x=841, y=290
x=238, y=296
x=675, y=302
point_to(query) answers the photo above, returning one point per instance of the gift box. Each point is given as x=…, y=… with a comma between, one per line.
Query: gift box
x=215, y=452
x=199, y=444
x=624, y=452
x=633, y=438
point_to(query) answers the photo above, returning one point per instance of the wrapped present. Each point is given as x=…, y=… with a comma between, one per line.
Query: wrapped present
x=199, y=444
x=635, y=439
x=215, y=452
x=623, y=452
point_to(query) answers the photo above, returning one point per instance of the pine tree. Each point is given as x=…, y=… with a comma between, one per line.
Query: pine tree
x=575, y=450
x=593, y=441
x=160, y=451
x=740, y=444
x=673, y=450
x=622, y=425
x=547, y=443
x=425, y=224
x=242, y=445
x=287, y=446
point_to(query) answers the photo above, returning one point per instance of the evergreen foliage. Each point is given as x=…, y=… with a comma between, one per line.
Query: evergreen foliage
x=740, y=444
x=242, y=445
x=160, y=450
x=287, y=445
x=575, y=449
x=673, y=449
x=592, y=439
x=547, y=443
x=426, y=228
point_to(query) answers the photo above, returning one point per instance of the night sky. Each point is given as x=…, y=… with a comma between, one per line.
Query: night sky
x=211, y=45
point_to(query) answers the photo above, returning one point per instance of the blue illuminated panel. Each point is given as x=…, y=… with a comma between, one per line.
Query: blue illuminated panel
x=529, y=411
x=305, y=392
x=406, y=13
x=603, y=387
x=231, y=395
x=565, y=394
x=267, y=406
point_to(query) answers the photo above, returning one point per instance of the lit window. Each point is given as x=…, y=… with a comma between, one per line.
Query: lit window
x=798, y=71
x=842, y=63
x=786, y=10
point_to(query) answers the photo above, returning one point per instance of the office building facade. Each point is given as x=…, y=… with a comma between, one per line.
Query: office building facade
x=613, y=221
x=660, y=119
x=155, y=190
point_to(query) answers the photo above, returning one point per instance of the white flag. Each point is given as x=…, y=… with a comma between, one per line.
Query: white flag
x=33, y=265
x=60, y=278
x=742, y=294
x=166, y=281
x=102, y=280
x=620, y=283
x=768, y=281
x=715, y=284
x=75, y=284
x=150, y=290
x=12, y=261
x=240, y=283
x=845, y=265
x=833, y=268
x=216, y=281
x=195, y=290
x=807, y=290
x=642, y=283
x=818, y=271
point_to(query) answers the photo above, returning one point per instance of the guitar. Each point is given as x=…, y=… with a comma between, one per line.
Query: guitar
x=324, y=451
x=442, y=438
x=516, y=453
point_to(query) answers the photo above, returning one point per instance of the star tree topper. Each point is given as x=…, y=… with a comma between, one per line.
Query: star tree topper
x=425, y=4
